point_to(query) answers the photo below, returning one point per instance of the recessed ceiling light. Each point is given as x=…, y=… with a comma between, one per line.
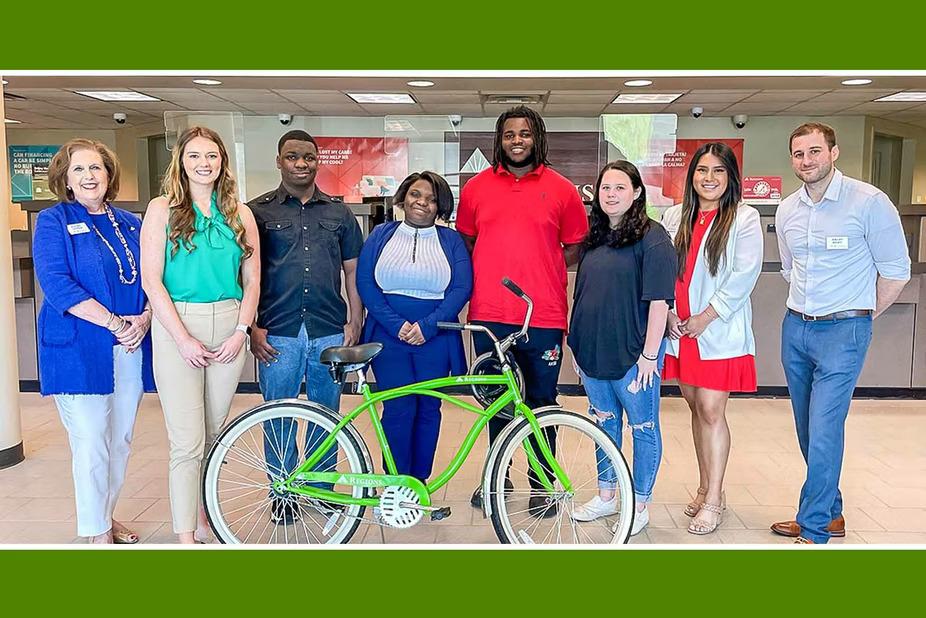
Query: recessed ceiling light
x=116, y=95
x=420, y=83
x=646, y=98
x=381, y=97
x=903, y=96
x=11, y=121
x=856, y=82
x=207, y=82
x=637, y=83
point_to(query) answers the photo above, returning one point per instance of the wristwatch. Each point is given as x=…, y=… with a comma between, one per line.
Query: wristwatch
x=244, y=328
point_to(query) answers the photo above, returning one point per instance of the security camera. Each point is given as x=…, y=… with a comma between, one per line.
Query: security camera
x=697, y=112
x=119, y=117
x=455, y=119
x=285, y=119
x=740, y=120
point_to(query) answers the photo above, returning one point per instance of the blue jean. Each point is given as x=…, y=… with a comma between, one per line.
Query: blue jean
x=282, y=379
x=610, y=399
x=822, y=362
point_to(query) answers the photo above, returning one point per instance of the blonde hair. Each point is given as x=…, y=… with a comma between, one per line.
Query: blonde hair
x=176, y=189
x=58, y=168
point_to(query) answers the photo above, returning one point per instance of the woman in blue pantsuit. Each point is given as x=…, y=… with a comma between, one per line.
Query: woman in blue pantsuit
x=411, y=275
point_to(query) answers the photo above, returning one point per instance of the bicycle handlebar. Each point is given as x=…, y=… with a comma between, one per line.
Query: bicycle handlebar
x=451, y=326
x=511, y=285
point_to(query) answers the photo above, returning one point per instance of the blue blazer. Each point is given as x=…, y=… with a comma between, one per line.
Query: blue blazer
x=379, y=309
x=75, y=356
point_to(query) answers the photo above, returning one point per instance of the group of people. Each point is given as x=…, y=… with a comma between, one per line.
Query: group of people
x=653, y=301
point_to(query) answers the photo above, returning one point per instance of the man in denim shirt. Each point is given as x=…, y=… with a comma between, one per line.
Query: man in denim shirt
x=844, y=255
x=307, y=239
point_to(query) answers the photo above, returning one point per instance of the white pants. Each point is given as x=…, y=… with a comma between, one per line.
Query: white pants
x=100, y=432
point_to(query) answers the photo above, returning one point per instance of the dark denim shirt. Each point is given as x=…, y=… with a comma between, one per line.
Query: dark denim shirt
x=302, y=248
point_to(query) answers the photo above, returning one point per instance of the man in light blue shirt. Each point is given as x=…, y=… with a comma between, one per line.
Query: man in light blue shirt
x=844, y=255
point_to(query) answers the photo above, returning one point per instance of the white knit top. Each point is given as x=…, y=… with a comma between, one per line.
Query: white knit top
x=413, y=264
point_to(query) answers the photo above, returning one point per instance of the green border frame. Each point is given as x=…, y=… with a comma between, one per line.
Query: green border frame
x=478, y=35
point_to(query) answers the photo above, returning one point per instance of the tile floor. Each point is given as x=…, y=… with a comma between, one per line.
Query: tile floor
x=884, y=477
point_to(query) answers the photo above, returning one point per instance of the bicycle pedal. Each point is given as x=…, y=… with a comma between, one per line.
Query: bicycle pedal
x=441, y=513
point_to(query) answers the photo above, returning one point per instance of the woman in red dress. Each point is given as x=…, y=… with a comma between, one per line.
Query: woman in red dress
x=711, y=350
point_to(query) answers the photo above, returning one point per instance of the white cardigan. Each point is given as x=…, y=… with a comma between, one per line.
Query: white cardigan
x=728, y=293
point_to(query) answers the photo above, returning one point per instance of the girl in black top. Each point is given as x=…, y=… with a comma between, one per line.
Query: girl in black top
x=624, y=286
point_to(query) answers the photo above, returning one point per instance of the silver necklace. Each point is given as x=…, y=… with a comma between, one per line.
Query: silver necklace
x=125, y=246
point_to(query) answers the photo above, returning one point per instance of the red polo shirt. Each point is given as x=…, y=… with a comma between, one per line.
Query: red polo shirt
x=520, y=225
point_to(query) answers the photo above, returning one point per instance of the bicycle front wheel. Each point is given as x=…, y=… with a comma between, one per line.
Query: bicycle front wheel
x=528, y=512
x=265, y=445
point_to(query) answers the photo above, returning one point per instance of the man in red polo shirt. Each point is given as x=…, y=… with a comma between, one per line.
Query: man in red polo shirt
x=522, y=220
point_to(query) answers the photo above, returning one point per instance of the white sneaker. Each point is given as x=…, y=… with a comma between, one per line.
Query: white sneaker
x=595, y=508
x=640, y=519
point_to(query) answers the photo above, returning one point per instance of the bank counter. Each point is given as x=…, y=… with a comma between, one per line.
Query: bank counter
x=896, y=358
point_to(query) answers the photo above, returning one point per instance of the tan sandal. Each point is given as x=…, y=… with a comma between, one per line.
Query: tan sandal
x=123, y=536
x=694, y=506
x=701, y=527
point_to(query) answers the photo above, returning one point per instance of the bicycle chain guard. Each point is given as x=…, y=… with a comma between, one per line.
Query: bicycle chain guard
x=391, y=510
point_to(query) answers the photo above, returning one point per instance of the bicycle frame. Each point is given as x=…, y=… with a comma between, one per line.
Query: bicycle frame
x=304, y=473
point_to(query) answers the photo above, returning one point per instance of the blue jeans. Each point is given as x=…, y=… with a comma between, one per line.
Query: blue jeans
x=610, y=398
x=822, y=362
x=282, y=379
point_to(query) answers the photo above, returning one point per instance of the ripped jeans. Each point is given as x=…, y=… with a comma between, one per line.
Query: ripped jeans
x=607, y=402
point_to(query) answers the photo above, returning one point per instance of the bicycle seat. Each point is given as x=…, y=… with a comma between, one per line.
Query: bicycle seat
x=350, y=355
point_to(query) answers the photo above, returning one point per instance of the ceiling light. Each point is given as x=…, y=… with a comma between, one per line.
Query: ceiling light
x=115, y=95
x=903, y=96
x=11, y=121
x=381, y=97
x=637, y=83
x=646, y=98
x=420, y=83
x=207, y=82
x=856, y=82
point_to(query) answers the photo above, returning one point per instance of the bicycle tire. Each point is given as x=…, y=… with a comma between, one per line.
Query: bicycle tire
x=353, y=457
x=516, y=526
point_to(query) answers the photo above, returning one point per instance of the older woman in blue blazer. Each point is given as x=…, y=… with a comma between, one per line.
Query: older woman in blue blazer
x=411, y=275
x=94, y=348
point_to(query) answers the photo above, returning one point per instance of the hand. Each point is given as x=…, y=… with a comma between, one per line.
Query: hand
x=351, y=333
x=404, y=331
x=134, y=333
x=695, y=325
x=262, y=351
x=230, y=348
x=672, y=326
x=194, y=352
x=575, y=367
x=413, y=335
x=646, y=370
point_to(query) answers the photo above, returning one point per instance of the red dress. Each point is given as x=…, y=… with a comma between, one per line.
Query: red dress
x=726, y=374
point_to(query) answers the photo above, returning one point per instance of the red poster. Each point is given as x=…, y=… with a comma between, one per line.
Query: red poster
x=357, y=167
x=762, y=189
x=675, y=165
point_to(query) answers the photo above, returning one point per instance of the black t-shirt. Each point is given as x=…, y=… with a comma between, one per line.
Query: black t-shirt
x=614, y=287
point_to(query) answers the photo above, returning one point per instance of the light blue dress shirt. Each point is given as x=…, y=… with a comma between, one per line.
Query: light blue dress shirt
x=832, y=252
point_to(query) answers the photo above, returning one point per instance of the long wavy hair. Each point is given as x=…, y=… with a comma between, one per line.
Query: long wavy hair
x=716, y=242
x=176, y=188
x=633, y=224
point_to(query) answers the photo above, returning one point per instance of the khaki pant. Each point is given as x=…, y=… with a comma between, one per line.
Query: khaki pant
x=195, y=401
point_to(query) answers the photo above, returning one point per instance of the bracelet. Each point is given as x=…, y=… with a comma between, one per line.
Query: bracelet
x=244, y=328
x=109, y=321
x=643, y=354
x=122, y=326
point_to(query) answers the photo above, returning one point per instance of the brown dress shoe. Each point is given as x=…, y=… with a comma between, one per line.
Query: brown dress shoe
x=837, y=528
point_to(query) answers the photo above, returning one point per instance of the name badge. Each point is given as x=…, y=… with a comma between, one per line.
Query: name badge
x=78, y=228
x=837, y=242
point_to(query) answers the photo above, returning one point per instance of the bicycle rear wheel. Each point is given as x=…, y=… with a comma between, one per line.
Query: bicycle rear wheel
x=237, y=495
x=589, y=458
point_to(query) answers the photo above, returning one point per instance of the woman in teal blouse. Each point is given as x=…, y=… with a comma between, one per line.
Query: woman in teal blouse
x=201, y=271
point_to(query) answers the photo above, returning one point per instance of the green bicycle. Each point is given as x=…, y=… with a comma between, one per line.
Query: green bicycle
x=328, y=492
